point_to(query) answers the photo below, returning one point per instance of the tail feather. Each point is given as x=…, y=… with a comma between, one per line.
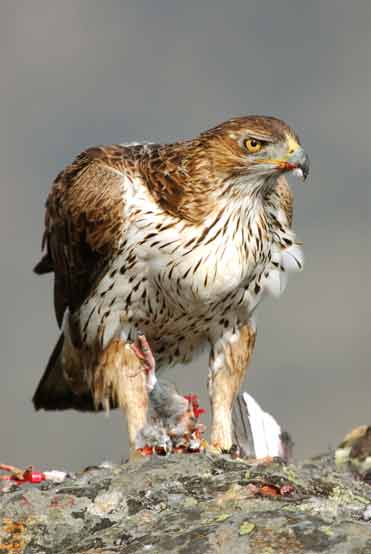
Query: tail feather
x=54, y=392
x=45, y=265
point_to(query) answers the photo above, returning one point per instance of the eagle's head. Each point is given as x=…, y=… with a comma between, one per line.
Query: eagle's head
x=239, y=157
x=255, y=148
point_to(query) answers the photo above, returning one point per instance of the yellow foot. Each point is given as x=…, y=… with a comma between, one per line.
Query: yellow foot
x=261, y=461
x=214, y=449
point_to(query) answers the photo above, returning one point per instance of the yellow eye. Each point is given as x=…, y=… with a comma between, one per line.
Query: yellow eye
x=253, y=145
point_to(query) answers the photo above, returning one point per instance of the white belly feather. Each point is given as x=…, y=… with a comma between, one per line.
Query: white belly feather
x=177, y=282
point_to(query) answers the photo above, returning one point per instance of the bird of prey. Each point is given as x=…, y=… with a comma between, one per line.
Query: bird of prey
x=179, y=241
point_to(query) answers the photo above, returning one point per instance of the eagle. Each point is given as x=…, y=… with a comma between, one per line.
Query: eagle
x=179, y=242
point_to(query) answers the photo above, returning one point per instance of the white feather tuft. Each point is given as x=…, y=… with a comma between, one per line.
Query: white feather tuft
x=272, y=283
x=283, y=281
x=292, y=258
x=264, y=428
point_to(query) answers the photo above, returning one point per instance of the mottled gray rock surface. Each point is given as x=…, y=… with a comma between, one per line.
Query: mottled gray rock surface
x=192, y=503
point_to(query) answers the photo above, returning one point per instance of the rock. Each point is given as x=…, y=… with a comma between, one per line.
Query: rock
x=355, y=451
x=191, y=504
x=367, y=513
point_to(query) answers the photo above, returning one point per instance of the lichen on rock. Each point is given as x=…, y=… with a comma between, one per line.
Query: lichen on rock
x=191, y=504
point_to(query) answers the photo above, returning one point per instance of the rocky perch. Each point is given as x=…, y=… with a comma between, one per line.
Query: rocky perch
x=191, y=504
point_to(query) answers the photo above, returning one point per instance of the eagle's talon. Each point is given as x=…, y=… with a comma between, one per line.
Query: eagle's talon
x=213, y=449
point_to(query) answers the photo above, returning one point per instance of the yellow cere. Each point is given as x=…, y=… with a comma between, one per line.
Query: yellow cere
x=292, y=144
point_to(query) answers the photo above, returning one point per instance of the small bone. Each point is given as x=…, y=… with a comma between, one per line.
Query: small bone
x=298, y=172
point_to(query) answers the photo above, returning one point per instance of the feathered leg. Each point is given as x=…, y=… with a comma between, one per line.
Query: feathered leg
x=229, y=358
x=120, y=375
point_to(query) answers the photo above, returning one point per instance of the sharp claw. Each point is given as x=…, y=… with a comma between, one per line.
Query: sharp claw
x=213, y=449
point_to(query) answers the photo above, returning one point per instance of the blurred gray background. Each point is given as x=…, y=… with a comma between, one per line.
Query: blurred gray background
x=78, y=73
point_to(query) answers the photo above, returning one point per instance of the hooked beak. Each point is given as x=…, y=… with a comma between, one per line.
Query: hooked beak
x=299, y=163
x=296, y=161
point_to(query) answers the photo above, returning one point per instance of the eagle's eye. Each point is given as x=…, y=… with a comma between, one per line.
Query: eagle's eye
x=253, y=145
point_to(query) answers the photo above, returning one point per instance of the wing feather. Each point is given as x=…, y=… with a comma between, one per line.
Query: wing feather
x=83, y=225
